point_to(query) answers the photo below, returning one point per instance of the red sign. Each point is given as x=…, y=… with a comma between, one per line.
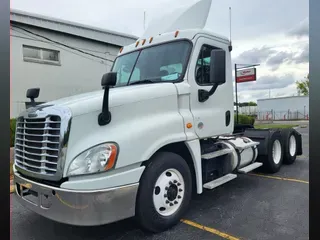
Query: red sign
x=246, y=75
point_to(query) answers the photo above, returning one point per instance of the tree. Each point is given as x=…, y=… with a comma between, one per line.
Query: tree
x=252, y=104
x=303, y=86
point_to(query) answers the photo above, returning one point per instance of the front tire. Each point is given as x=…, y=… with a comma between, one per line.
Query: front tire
x=164, y=193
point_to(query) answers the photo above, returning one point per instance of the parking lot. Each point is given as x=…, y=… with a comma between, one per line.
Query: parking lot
x=252, y=206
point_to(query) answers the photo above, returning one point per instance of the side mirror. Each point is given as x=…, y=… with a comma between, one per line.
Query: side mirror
x=217, y=73
x=218, y=66
x=108, y=80
x=33, y=93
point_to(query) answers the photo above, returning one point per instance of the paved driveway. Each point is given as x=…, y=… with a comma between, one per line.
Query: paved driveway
x=250, y=207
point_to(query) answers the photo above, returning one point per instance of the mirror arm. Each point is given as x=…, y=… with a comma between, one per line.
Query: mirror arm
x=33, y=103
x=204, y=95
x=105, y=116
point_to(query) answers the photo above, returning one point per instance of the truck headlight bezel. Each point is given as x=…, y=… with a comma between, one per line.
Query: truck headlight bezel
x=96, y=159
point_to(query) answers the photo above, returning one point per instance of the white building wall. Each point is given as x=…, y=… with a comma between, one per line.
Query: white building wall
x=77, y=73
x=296, y=107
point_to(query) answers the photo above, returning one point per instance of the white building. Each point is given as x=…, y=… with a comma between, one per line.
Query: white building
x=285, y=108
x=61, y=58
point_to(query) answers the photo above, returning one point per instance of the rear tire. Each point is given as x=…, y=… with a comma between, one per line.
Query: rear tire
x=290, y=146
x=273, y=160
x=164, y=193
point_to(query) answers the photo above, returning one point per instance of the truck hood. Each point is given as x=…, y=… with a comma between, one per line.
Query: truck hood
x=92, y=101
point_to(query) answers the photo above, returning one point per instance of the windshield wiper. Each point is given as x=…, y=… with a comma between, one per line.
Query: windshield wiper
x=145, y=81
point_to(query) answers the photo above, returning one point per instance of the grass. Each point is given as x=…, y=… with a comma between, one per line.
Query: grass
x=261, y=126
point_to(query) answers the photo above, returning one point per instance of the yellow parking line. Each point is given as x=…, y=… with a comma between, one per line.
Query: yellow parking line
x=211, y=230
x=279, y=178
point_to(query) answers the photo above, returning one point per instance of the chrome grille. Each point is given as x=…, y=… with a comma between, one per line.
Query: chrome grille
x=37, y=144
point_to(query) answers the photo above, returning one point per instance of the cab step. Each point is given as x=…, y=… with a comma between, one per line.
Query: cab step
x=250, y=167
x=216, y=153
x=217, y=182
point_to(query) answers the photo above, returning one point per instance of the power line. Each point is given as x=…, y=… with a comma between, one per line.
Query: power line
x=62, y=44
x=35, y=39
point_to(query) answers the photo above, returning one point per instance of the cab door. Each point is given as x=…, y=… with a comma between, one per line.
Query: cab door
x=215, y=115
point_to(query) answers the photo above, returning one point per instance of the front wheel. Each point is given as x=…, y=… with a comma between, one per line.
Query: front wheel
x=164, y=193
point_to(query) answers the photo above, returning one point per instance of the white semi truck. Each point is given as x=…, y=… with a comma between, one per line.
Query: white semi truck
x=160, y=129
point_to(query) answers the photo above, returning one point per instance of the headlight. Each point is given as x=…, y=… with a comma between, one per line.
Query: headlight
x=96, y=159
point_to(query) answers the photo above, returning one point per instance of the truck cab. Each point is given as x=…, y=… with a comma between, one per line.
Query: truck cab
x=160, y=129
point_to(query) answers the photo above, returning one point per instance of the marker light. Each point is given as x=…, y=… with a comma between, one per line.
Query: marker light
x=137, y=43
x=150, y=41
x=176, y=34
x=143, y=42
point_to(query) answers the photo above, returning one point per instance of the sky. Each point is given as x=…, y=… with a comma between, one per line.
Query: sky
x=274, y=34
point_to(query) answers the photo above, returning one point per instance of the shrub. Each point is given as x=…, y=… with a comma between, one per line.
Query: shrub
x=244, y=119
x=12, y=131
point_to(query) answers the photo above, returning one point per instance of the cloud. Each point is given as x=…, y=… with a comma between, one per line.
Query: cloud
x=267, y=82
x=301, y=30
x=255, y=55
x=279, y=58
x=303, y=57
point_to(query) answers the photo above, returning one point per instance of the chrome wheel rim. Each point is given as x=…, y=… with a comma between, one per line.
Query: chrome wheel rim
x=168, y=192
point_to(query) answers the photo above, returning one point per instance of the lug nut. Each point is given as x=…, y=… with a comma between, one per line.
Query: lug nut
x=166, y=188
x=179, y=197
x=170, y=183
x=175, y=202
x=165, y=195
x=171, y=204
x=180, y=190
x=179, y=184
x=175, y=181
x=167, y=202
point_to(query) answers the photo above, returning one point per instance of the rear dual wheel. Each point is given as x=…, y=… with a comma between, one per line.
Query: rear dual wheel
x=282, y=149
x=289, y=138
x=273, y=160
x=164, y=192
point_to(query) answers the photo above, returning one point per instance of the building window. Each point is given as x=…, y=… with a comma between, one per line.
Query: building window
x=41, y=55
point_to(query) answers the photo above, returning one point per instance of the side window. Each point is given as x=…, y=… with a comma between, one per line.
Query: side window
x=202, y=74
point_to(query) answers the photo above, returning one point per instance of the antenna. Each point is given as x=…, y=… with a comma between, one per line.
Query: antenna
x=230, y=46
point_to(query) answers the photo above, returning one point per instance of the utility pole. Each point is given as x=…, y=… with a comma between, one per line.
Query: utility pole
x=235, y=75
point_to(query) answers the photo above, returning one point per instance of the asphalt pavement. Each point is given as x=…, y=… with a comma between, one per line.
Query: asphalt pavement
x=251, y=207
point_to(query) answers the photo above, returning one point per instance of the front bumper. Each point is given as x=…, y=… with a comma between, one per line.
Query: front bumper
x=81, y=208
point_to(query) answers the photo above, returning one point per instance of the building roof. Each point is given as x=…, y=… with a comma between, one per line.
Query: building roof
x=270, y=99
x=76, y=29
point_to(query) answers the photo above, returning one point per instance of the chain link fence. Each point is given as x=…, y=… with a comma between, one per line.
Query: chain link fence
x=282, y=115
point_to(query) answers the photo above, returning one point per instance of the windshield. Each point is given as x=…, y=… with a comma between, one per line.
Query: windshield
x=161, y=63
